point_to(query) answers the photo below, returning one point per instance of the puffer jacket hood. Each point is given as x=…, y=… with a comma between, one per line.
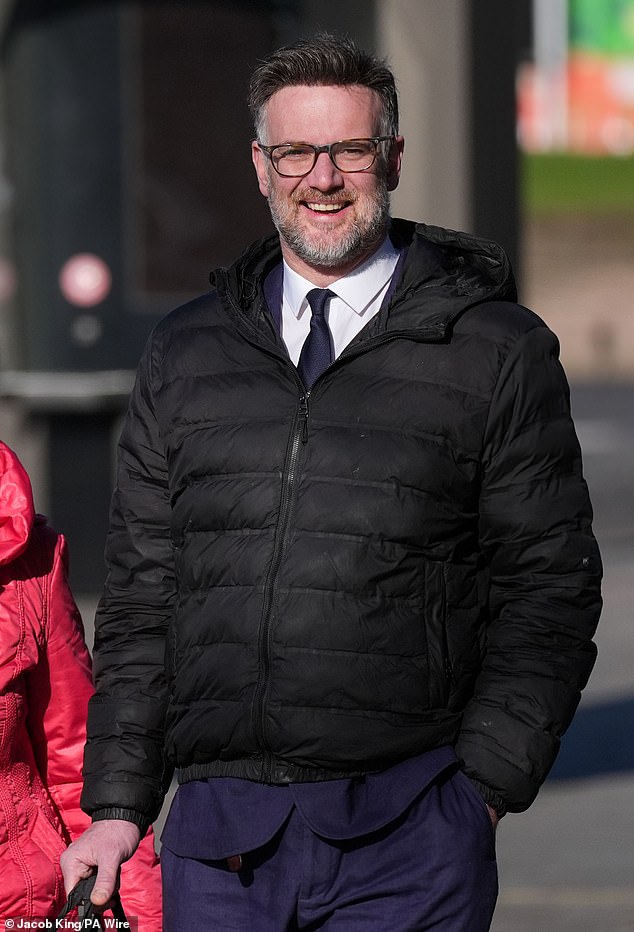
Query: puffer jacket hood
x=461, y=271
x=17, y=512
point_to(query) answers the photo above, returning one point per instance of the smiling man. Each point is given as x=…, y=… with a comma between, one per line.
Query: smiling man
x=352, y=580
x=329, y=219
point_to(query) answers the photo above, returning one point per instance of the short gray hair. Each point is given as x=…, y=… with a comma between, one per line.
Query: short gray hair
x=324, y=59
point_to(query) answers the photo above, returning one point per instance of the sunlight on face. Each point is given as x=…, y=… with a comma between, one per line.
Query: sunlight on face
x=328, y=219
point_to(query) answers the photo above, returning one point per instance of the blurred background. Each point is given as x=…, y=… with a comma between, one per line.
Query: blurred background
x=125, y=177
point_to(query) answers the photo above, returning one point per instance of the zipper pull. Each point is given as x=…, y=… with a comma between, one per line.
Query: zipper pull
x=303, y=413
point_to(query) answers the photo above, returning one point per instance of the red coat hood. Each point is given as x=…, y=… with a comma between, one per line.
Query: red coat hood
x=17, y=512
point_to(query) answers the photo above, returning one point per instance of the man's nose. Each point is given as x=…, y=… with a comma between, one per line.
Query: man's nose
x=325, y=175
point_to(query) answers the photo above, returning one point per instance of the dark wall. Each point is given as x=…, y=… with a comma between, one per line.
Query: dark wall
x=499, y=38
x=129, y=139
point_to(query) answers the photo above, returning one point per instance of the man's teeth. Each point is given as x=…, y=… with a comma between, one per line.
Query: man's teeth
x=325, y=207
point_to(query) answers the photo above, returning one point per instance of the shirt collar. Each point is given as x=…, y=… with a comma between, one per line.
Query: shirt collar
x=357, y=290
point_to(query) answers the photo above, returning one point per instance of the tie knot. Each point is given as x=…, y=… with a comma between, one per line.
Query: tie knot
x=317, y=299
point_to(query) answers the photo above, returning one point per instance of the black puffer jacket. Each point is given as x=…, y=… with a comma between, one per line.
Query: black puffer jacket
x=399, y=559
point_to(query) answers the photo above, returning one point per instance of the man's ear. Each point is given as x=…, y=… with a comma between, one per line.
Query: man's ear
x=394, y=159
x=261, y=168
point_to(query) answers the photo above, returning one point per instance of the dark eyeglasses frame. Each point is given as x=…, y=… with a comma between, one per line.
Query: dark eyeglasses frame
x=268, y=151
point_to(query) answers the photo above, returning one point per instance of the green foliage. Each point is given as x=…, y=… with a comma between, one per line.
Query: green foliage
x=554, y=184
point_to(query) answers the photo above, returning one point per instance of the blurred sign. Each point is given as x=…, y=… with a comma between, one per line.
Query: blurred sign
x=603, y=28
x=595, y=82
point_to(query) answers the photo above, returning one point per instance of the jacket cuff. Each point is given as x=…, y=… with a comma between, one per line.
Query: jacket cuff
x=491, y=798
x=128, y=815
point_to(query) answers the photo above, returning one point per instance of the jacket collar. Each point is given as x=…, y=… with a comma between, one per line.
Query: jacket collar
x=443, y=273
x=274, y=284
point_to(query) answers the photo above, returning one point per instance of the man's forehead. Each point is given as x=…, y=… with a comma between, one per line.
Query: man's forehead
x=331, y=103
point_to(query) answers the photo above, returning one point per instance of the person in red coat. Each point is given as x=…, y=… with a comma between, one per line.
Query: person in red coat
x=45, y=685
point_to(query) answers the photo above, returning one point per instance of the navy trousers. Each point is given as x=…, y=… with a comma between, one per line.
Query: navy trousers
x=433, y=868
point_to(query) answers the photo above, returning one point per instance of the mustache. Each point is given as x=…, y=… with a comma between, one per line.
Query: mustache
x=318, y=197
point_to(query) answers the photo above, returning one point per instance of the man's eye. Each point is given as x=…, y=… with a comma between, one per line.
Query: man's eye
x=295, y=153
x=353, y=150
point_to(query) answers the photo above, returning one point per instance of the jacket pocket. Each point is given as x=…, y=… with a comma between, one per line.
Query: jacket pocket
x=439, y=662
x=46, y=836
x=40, y=848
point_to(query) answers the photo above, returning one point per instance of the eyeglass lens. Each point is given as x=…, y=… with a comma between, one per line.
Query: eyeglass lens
x=350, y=155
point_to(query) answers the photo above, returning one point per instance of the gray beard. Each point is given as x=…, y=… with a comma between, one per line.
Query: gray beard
x=360, y=239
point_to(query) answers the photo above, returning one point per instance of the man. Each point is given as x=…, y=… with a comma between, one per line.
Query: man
x=352, y=582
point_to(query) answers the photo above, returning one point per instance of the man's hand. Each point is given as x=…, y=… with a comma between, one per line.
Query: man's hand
x=105, y=846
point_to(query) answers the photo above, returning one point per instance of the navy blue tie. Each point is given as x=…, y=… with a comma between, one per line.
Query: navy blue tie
x=316, y=354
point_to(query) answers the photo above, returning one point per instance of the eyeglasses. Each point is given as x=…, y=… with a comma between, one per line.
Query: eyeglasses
x=295, y=159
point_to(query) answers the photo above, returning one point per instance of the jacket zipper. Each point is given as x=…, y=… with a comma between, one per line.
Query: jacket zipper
x=299, y=436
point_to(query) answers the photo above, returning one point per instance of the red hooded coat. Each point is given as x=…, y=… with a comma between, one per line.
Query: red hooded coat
x=45, y=684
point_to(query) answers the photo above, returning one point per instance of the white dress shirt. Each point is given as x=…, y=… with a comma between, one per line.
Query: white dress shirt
x=358, y=297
